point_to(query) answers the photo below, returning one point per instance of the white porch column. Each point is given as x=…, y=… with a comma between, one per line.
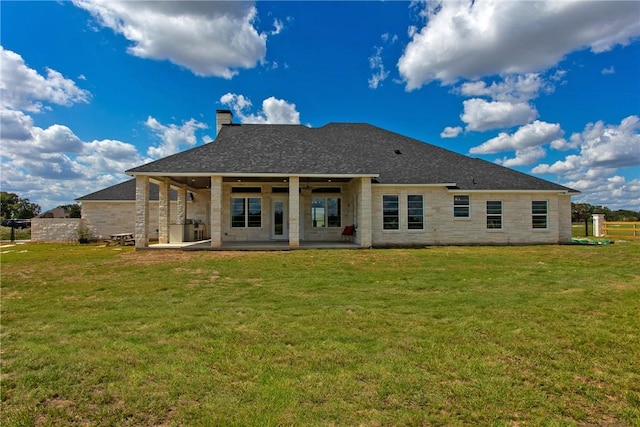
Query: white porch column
x=142, y=212
x=181, y=214
x=164, y=212
x=294, y=212
x=363, y=233
x=216, y=211
x=598, y=225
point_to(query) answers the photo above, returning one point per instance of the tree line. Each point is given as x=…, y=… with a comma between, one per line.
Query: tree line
x=583, y=211
x=12, y=206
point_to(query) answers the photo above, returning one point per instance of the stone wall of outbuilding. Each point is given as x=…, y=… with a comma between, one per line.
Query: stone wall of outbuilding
x=55, y=229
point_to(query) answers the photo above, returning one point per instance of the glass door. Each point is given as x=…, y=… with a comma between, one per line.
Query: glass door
x=279, y=220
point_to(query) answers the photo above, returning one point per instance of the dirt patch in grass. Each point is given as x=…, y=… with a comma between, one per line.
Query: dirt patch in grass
x=169, y=256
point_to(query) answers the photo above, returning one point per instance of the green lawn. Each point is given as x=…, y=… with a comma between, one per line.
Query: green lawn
x=438, y=336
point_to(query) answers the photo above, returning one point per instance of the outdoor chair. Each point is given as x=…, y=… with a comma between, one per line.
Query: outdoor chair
x=348, y=232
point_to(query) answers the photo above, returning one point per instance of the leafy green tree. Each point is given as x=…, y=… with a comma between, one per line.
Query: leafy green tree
x=13, y=206
x=583, y=211
x=7, y=201
x=624, y=215
x=74, y=210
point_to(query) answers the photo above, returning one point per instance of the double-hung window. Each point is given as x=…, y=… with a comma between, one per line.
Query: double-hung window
x=390, y=212
x=246, y=212
x=415, y=212
x=494, y=215
x=461, y=207
x=539, y=214
x=325, y=212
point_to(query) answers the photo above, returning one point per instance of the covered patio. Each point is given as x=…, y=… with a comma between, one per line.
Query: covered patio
x=256, y=211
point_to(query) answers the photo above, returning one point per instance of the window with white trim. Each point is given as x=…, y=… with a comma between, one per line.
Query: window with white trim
x=494, y=214
x=415, y=212
x=390, y=212
x=461, y=207
x=246, y=212
x=539, y=214
x=326, y=212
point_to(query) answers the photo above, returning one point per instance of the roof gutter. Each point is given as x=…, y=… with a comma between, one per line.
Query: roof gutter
x=568, y=191
x=255, y=175
x=437, y=184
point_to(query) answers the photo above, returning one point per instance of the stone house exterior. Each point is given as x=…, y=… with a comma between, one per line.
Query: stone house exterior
x=260, y=183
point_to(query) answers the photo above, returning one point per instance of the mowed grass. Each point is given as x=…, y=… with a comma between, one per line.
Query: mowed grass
x=437, y=336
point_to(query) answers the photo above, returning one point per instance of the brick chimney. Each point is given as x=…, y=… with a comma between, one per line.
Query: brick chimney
x=223, y=117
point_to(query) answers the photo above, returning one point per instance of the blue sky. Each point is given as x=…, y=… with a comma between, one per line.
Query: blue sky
x=92, y=88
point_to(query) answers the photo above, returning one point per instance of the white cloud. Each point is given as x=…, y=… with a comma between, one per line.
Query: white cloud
x=610, y=145
x=606, y=71
x=520, y=88
x=524, y=157
x=239, y=103
x=389, y=38
x=471, y=39
x=569, y=164
x=532, y=135
x=51, y=165
x=210, y=38
x=27, y=142
x=278, y=26
x=15, y=125
x=376, y=64
x=603, y=150
x=274, y=111
x=601, y=146
x=615, y=192
x=279, y=111
x=23, y=88
x=451, y=132
x=173, y=137
x=481, y=115
x=562, y=144
x=64, y=152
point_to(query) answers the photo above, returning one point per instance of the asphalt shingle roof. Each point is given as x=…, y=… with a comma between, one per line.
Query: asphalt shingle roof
x=341, y=148
x=125, y=191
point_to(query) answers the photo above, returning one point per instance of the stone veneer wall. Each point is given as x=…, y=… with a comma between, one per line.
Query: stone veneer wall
x=54, y=229
x=104, y=218
x=440, y=227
